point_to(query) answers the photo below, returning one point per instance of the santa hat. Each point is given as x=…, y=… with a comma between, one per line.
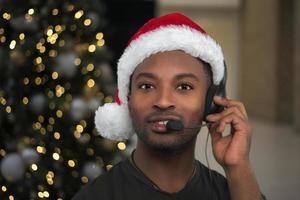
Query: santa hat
x=166, y=33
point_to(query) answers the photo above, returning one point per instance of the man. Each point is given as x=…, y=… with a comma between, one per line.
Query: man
x=171, y=77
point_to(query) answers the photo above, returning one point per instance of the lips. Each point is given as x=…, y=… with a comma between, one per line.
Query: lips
x=158, y=123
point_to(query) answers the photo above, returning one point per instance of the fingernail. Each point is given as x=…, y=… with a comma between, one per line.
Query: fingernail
x=218, y=97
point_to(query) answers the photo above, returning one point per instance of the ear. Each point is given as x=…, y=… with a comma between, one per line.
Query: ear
x=128, y=102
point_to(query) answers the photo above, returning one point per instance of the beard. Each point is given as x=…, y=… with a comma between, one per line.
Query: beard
x=176, y=146
x=176, y=143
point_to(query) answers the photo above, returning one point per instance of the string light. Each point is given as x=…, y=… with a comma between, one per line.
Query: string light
x=3, y=101
x=100, y=43
x=55, y=156
x=41, y=150
x=57, y=135
x=54, y=75
x=79, y=128
x=26, y=81
x=121, y=146
x=6, y=16
x=108, y=99
x=25, y=100
x=12, y=44
x=79, y=14
x=38, y=80
x=38, y=60
x=49, y=177
x=41, y=118
x=3, y=188
x=52, y=53
x=77, y=61
x=2, y=152
x=71, y=163
x=87, y=22
x=90, y=83
x=61, y=43
x=90, y=151
x=59, y=90
x=49, y=32
x=3, y=39
x=43, y=131
x=83, y=123
x=49, y=128
x=44, y=194
x=31, y=11
x=92, y=48
x=51, y=120
x=34, y=167
x=90, y=67
x=50, y=94
x=108, y=167
x=59, y=113
x=55, y=11
x=28, y=17
x=22, y=36
x=8, y=109
x=84, y=179
x=11, y=197
x=99, y=36
x=70, y=7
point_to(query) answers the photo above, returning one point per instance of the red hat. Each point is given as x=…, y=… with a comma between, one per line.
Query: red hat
x=166, y=33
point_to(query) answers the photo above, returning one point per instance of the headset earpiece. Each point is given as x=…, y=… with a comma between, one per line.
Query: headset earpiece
x=215, y=90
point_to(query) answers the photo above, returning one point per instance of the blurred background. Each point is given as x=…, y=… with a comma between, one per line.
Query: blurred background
x=58, y=63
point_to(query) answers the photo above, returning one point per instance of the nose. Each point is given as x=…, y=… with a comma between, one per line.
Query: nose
x=164, y=100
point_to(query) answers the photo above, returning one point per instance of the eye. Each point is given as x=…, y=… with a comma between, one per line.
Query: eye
x=184, y=86
x=146, y=86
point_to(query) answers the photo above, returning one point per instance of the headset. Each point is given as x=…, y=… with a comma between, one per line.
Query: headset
x=215, y=90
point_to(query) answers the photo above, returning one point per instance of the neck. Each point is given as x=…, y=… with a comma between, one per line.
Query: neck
x=169, y=172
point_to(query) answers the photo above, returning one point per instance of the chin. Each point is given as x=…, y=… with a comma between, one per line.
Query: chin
x=168, y=144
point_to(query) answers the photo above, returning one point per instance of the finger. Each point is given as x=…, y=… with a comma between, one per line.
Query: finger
x=217, y=116
x=214, y=134
x=239, y=105
x=237, y=123
x=230, y=103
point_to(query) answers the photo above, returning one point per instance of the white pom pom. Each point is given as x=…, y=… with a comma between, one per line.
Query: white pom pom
x=113, y=121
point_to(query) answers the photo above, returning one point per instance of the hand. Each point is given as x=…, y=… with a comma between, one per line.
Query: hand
x=232, y=150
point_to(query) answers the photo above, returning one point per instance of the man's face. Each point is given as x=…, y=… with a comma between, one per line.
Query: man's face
x=165, y=86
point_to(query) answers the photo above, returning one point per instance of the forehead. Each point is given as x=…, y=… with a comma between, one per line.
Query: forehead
x=170, y=63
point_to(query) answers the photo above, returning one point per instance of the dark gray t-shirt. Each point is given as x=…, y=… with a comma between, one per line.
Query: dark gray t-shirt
x=125, y=182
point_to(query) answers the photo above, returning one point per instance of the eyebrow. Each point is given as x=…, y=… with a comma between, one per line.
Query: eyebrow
x=177, y=77
x=146, y=75
x=187, y=75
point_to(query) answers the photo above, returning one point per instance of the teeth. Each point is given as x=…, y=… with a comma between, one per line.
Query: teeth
x=162, y=122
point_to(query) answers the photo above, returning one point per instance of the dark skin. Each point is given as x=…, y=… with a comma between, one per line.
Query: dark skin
x=173, y=85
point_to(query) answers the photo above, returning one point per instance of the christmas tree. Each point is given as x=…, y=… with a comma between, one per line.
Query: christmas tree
x=54, y=73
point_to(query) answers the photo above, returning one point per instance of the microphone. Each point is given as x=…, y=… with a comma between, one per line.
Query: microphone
x=177, y=125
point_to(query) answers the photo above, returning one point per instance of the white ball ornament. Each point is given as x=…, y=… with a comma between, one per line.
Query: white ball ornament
x=37, y=103
x=30, y=156
x=65, y=64
x=79, y=109
x=92, y=170
x=12, y=167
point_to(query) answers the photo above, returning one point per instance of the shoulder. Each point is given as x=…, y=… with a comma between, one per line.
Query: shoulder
x=102, y=186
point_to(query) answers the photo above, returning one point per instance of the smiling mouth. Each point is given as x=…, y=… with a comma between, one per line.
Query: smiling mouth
x=159, y=126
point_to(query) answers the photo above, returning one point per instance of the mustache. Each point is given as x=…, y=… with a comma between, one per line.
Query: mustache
x=163, y=113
